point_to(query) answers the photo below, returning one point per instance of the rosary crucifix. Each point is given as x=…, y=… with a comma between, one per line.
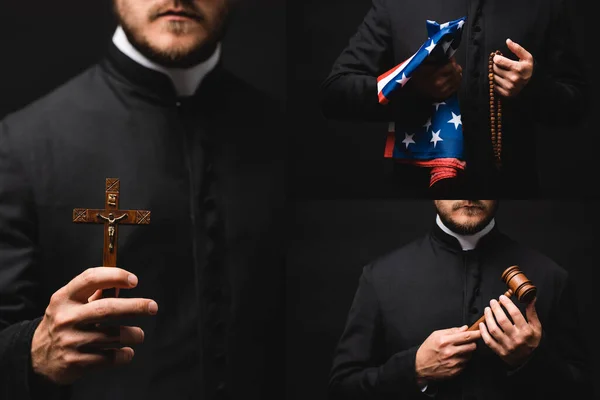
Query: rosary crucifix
x=111, y=217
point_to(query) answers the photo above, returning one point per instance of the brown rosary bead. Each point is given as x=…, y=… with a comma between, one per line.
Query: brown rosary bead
x=495, y=113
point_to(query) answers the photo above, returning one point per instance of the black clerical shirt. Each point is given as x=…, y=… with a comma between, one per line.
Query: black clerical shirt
x=210, y=169
x=432, y=284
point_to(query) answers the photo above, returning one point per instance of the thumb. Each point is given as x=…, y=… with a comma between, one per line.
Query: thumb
x=518, y=50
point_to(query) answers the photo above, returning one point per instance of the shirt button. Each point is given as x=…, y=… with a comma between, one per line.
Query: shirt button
x=474, y=310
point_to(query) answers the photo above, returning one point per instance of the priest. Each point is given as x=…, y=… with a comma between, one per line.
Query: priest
x=196, y=153
x=413, y=331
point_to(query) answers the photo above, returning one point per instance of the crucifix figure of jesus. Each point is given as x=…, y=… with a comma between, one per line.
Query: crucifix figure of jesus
x=111, y=217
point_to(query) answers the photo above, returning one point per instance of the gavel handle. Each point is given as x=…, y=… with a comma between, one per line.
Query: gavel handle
x=475, y=326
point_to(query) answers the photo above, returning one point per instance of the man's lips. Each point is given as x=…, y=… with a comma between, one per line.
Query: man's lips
x=176, y=14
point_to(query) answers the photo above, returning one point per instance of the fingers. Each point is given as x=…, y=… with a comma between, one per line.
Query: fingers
x=110, y=338
x=519, y=51
x=465, y=349
x=103, y=358
x=503, y=86
x=513, y=311
x=503, y=73
x=104, y=309
x=83, y=286
x=501, y=317
x=488, y=339
x=492, y=328
x=505, y=63
x=532, y=316
x=454, y=329
x=114, y=357
x=462, y=336
x=97, y=295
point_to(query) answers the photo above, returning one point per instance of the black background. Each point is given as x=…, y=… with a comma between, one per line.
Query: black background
x=345, y=159
x=43, y=44
x=288, y=54
x=332, y=241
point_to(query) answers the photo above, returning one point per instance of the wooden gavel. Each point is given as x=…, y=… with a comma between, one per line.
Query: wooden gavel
x=518, y=284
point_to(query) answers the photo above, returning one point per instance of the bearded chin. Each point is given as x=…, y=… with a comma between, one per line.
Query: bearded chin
x=466, y=229
x=177, y=56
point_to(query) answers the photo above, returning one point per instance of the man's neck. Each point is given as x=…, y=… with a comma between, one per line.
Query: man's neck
x=185, y=80
x=467, y=242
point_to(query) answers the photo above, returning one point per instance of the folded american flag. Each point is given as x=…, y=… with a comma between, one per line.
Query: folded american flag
x=436, y=142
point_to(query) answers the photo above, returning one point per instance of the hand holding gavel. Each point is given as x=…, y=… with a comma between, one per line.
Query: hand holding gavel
x=517, y=284
x=513, y=341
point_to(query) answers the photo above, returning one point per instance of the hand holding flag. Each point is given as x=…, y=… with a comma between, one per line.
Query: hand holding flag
x=438, y=81
x=436, y=143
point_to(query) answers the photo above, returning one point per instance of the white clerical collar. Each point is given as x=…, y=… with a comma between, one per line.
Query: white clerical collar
x=185, y=80
x=467, y=242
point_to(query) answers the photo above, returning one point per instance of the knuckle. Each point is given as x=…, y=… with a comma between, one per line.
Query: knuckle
x=445, y=353
x=102, y=310
x=88, y=273
x=89, y=276
x=142, y=306
x=62, y=320
x=70, y=359
x=57, y=297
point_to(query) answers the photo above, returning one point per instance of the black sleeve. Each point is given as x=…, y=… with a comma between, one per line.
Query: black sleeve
x=19, y=308
x=359, y=371
x=350, y=90
x=559, y=367
x=558, y=92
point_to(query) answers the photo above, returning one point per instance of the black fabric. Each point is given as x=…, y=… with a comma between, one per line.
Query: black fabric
x=210, y=169
x=556, y=95
x=431, y=284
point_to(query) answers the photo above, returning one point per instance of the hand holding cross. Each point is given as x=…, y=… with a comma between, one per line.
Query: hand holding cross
x=110, y=221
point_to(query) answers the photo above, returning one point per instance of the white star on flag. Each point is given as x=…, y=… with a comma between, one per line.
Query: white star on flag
x=427, y=125
x=408, y=139
x=455, y=120
x=444, y=25
x=437, y=105
x=436, y=138
x=403, y=80
x=460, y=24
x=430, y=47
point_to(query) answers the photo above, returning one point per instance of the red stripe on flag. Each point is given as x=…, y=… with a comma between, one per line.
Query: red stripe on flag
x=387, y=73
x=382, y=98
x=441, y=168
x=389, y=144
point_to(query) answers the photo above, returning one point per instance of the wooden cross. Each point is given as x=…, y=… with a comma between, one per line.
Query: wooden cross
x=111, y=217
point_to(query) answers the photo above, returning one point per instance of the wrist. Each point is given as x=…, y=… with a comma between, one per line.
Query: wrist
x=37, y=349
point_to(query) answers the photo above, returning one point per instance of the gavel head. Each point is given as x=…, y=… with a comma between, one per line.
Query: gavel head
x=518, y=283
